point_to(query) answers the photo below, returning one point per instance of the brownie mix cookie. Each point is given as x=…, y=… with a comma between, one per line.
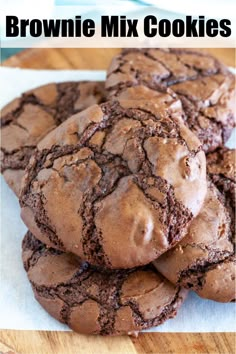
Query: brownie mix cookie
x=94, y=301
x=221, y=169
x=27, y=119
x=205, y=87
x=116, y=184
x=204, y=260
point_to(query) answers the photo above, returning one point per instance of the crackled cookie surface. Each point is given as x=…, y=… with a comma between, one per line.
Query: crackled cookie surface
x=116, y=184
x=27, y=119
x=221, y=169
x=204, y=260
x=94, y=301
x=205, y=87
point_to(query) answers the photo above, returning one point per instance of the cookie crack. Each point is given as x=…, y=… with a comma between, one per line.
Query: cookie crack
x=12, y=117
x=144, y=323
x=193, y=276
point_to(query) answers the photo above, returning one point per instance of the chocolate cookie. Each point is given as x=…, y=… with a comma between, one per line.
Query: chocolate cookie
x=221, y=169
x=204, y=260
x=116, y=184
x=205, y=87
x=96, y=301
x=27, y=119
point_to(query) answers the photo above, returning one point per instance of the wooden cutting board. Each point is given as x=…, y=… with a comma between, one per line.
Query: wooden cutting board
x=51, y=342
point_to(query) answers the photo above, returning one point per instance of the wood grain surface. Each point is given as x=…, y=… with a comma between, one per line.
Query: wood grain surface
x=46, y=342
x=94, y=59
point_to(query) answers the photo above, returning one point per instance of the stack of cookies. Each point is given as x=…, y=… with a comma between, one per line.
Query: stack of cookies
x=127, y=189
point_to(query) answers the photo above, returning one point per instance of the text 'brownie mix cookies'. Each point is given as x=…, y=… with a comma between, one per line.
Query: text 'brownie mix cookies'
x=116, y=184
x=94, y=301
x=205, y=87
x=27, y=119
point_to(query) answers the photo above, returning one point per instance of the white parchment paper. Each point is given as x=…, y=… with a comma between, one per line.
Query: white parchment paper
x=18, y=308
